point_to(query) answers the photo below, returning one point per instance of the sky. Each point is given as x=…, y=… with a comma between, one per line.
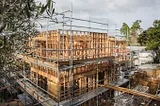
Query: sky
x=113, y=11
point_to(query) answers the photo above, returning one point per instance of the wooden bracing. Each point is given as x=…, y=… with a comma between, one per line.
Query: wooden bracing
x=94, y=56
x=134, y=92
x=84, y=45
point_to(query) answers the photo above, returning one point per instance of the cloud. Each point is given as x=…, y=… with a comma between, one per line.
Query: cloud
x=113, y=11
x=107, y=5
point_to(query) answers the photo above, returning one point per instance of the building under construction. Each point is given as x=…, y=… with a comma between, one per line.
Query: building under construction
x=71, y=66
x=79, y=65
x=69, y=72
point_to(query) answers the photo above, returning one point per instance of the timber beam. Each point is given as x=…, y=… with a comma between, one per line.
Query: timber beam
x=134, y=92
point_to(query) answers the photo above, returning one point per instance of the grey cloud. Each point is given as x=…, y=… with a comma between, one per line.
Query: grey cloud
x=108, y=5
x=113, y=11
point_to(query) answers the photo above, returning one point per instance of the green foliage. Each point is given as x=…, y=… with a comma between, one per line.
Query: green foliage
x=21, y=13
x=131, y=33
x=156, y=23
x=151, y=38
x=142, y=38
x=125, y=30
x=18, y=20
x=136, y=27
x=1, y=43
x=135, y=31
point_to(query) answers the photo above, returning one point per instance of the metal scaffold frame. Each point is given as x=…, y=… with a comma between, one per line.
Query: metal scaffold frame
x=101, y=50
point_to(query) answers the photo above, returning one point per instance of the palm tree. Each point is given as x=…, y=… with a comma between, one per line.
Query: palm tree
x=135, y=31
x=125, y=30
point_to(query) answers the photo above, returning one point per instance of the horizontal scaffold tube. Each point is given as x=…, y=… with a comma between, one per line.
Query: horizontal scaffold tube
x=87, y=21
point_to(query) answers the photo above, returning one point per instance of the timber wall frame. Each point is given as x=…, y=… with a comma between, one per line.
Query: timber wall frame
x=92, y=53
x=71, y=62
x=55, y=44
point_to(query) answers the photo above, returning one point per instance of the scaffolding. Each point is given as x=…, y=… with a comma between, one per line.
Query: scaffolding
x=70, y=64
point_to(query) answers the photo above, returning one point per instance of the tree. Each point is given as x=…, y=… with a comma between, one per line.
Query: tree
x=125, y=30
x=135, y=31
x=156, y=23
x=151, y=39
x=18, y=20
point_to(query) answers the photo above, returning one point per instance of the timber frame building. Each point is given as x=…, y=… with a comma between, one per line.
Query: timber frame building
x=72, y=66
